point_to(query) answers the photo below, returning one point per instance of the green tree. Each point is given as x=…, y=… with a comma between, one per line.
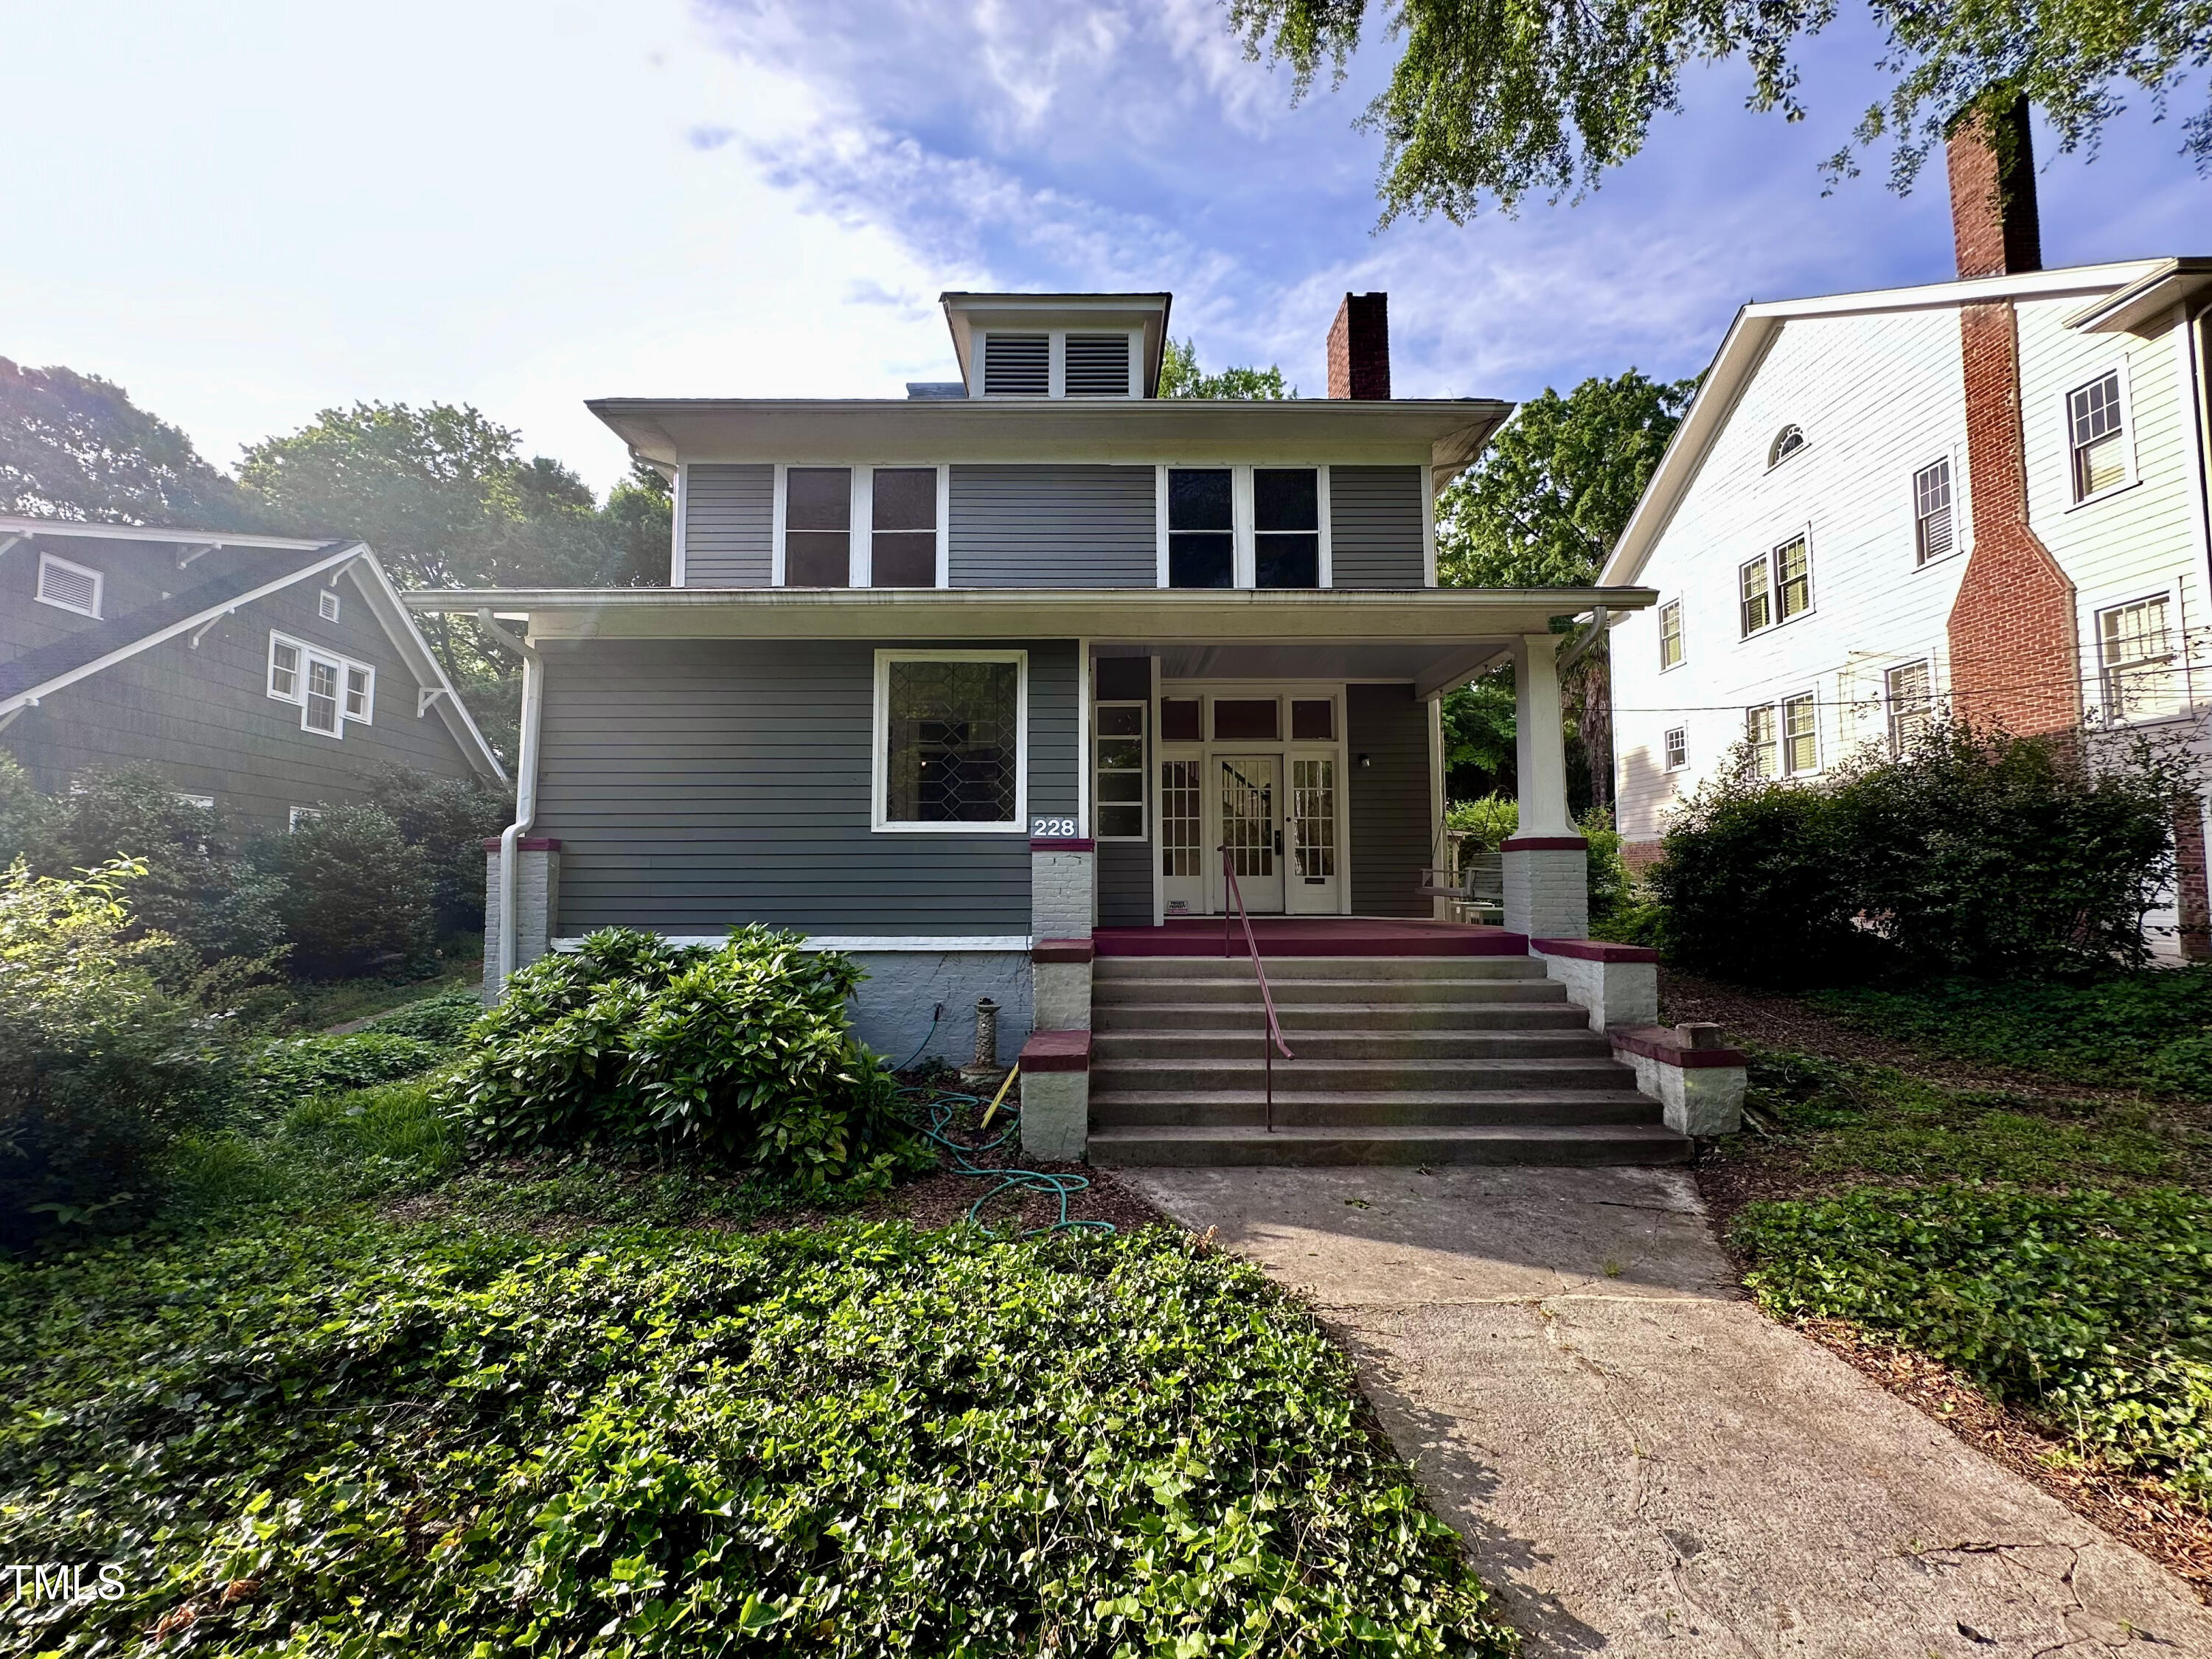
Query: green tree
x=1180, y=377
x=74, y=446
x=1544, y=506
x=1502, y=100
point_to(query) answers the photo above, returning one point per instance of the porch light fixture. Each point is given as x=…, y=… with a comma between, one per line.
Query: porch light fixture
x=1366, y=761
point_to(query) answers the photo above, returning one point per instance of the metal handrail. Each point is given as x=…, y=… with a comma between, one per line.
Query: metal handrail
x=1274, y=1033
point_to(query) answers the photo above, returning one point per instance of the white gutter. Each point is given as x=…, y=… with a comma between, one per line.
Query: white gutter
x=525, y=788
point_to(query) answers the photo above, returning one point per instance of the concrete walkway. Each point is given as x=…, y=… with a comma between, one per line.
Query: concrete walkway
x=1642, y=1464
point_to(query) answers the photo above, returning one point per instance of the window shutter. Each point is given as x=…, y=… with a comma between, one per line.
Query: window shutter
x=1017, y=365
x=1097, y=365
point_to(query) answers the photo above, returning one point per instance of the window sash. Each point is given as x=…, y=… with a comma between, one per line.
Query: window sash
x=360, y=693
x=2096, y=433
x=951, y=742
x=1932, y=535
x=319, y=710
x=284, y=669
x=1670, y=634
x=1761, y=732
x=1793, y=579
x=1911, y=708
x=1677, y=747
x=1120, y=772
x=2139, y=661
x=1755, y=604
x=1179, y=817
x=1800, y=734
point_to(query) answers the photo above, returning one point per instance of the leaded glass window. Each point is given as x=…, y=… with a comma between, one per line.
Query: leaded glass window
x=952, y=740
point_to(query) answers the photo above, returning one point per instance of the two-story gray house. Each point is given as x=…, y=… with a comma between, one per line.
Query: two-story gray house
x=1003, y=687
x=264, y=675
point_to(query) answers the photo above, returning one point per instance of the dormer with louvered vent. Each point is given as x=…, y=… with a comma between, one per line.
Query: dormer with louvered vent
x=1059, y=345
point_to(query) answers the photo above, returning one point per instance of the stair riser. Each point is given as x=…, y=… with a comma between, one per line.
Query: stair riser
x=1415, y=1017
x=1283, y=969
x=1354, y=1115
x=1136, y=1152
x=1294, y=994
x=1323, y=1046
x=1215, y=1077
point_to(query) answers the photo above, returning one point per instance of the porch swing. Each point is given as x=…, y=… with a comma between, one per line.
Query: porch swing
x=1469, y=877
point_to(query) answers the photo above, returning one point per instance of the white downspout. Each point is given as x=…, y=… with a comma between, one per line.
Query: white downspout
x=525, y=787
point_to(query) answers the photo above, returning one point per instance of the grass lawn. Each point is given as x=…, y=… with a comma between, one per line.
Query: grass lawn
x=2049, y=1253
x=352, y=1398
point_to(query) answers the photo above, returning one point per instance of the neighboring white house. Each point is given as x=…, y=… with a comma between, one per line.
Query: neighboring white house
x=1987, y=494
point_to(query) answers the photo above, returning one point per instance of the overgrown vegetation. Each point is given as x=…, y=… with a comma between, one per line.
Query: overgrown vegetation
x=1487, y=820
x=742, y=1054
x=1972, y=852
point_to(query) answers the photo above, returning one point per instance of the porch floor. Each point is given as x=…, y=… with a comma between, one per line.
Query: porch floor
x=1313, y=936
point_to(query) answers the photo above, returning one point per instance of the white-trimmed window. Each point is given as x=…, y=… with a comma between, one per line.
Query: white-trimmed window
x=1800, y=735
x=205, y=803
x=1762, y=731
x=68, y=586
x=2140, y=666
x=1670, y=634
x=329, y=690
x=1934, y=533
x=861, y=527
x=1908, y=692
x=1244, y=526
x=1787, y=442
x=1677, y=746
x=1119, y=746
x=301, y=815
x=327, y=604
x=1775, y=586
x=2097, y=443
x=952, y=741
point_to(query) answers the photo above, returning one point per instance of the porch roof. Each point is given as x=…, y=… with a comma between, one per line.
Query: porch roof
x=1436, y=638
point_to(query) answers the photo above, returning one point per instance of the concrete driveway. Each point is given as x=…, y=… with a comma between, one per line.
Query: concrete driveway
x=1640, y=1462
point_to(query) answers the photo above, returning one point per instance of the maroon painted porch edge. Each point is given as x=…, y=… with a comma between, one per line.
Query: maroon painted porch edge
x=1315, y=936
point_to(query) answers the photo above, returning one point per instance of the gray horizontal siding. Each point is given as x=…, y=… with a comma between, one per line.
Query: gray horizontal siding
x=1375, y=526
x=729, y=525
x=695, y=784
x=1125, y=883
x=1389, y=801
x=1052, y=526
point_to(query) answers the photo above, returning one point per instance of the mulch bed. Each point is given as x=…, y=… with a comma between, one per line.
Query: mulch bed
x=940, y=1201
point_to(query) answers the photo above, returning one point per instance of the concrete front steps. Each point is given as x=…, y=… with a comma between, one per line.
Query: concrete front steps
x=1400, y=1060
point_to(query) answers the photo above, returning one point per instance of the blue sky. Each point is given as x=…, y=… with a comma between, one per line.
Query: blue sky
x=246, y=213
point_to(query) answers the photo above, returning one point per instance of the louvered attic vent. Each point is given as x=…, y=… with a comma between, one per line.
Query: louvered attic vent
x=1017, y=365
x=1097, y=365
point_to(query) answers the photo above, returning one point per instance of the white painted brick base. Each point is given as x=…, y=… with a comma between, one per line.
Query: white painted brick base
x=1547, y=893
x=1705, y=1100
x=1056, y=1115
x=537, y=910
x=1612, y=992
x=1060, y=885
x=1063, y=996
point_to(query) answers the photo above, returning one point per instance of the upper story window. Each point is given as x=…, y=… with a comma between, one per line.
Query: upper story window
x=1906, y=691
x=1061, y=363
x=1800, y=735
x=2136, y=656
x=1670, y=634
x=327, y=605
x=331, y=691
x=67, y=586
x=1761, y=730
x=1244, y=526
x=1787, y=442
x=2096, y=436
x=951, y=747
x=901, y=507
x=1775, y=586
x=1932, y=533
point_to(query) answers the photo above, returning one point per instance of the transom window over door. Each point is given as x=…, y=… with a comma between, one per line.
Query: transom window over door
x=1286, y=527
x=1201, y=527
x=818, y=526
x=902, y=527
x=950, y=745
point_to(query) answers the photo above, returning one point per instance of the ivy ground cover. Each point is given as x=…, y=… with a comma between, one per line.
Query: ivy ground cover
x=360, y=1437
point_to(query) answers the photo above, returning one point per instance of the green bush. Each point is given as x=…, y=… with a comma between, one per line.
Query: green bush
x=1489, y=819
x=289, y=1071
x=856, y=1442
x=27, y=816
x=744, y=1055
x=2091, y=1310
x=444, y=1019
x=1975, y=852
x=356, y=897
x=99, y=1067
x=449, y=818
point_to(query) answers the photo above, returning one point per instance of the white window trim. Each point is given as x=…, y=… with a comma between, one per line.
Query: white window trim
x=2185, y=692
x=51, y=560
x=1804, y=443
x=1682, y=630
x=879, y=746
x=1782, y=734
x=205, y=803
x=1774, y=618
x=2117, y=366
x=369, y=697
x=299, y=815
x=1958, y=538
x=1244, y=561
x=299, y=668
x=681, y=512
x=1144, y=802
x=327, y=606
x=1666, y=749
x=299, y=697
x=1776, y=708
x=1889, y=698
x=859, y=552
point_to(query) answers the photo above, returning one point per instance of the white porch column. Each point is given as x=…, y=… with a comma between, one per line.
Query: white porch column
x=1547, y=859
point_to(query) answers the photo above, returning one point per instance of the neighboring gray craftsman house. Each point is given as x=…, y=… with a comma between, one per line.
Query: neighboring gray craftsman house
x=1010, y=674
x=262, y=675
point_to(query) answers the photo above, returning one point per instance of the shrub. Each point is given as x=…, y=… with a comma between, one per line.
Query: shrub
x=449, y=818
x=742, y=1054
x=285, y=1074
x=27, y=816
x=1974, y=852
x=99, y=1067
x=1489, y=819
x=357, y=897
x=198, y=886
x=444, y=1019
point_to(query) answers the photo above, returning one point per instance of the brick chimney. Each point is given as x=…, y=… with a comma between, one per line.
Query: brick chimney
x=1359, y=347
x=2015, y=658
x=1993, y=218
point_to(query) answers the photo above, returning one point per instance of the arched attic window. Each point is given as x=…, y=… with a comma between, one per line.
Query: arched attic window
x=1787, y=442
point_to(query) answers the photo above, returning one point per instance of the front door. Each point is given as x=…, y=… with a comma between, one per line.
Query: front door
x=1252, y=827
x=1312, y=865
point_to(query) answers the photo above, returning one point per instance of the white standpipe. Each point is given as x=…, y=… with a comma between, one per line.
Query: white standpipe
x=525, y=788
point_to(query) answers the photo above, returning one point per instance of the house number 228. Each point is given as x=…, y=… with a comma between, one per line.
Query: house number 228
x=1052, y=829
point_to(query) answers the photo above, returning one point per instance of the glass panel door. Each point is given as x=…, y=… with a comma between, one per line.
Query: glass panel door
x=1251, y=829
x=1182, y=857
x=1310, y=837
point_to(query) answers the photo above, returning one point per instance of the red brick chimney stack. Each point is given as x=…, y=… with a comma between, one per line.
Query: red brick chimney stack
x=1359, y=347
x=1993, y=216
